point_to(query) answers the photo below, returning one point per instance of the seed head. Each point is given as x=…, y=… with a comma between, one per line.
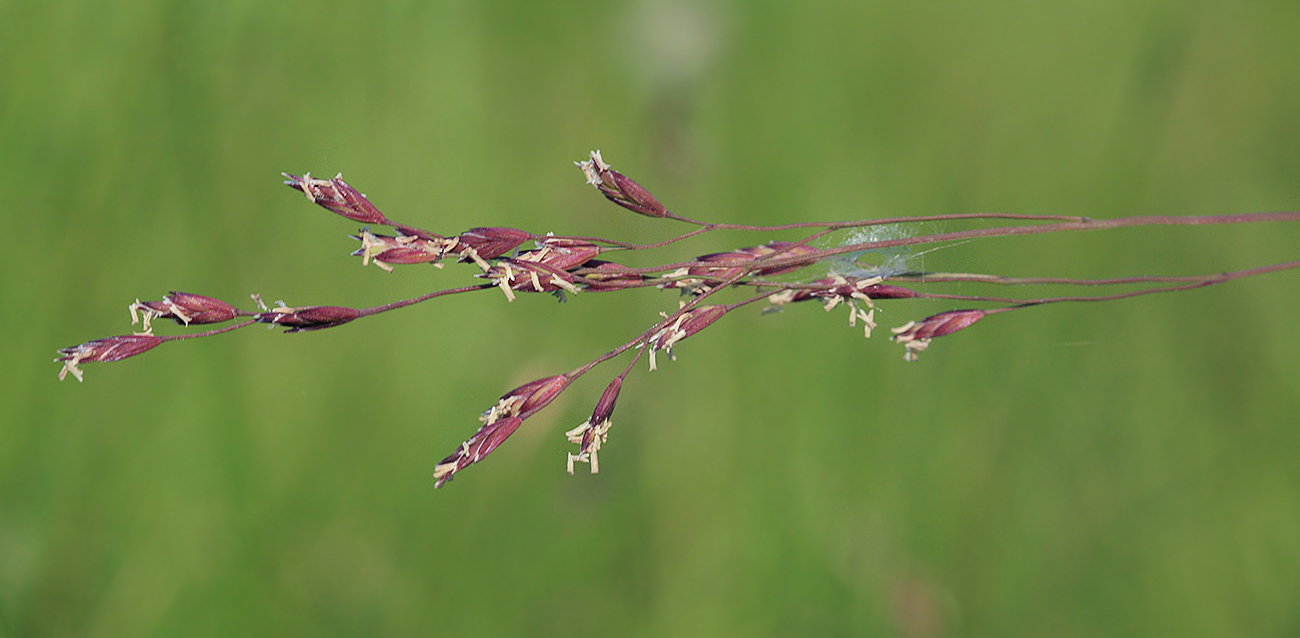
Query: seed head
x=607, y=275
x=594, y=431
x=183, y=308
x=499, y=422
x=562, y=253
x=916, y=336
x=527, y=399
x=105, y=350
x=528, y=276
x=620, y=189
x=476, y=448
x=337, y=196
x=686, y=324
x=886, y=291
x=308, y=317
x=479, y=244
x=750, y=254
x=387, y=250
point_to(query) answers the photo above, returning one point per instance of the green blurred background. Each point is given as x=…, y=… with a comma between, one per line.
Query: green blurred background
x=1107, y=469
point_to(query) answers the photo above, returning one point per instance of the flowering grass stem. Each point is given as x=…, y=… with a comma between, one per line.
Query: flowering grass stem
x=779, y=272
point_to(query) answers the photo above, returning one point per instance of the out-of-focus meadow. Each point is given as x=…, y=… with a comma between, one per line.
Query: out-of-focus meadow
x=1075, y=470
